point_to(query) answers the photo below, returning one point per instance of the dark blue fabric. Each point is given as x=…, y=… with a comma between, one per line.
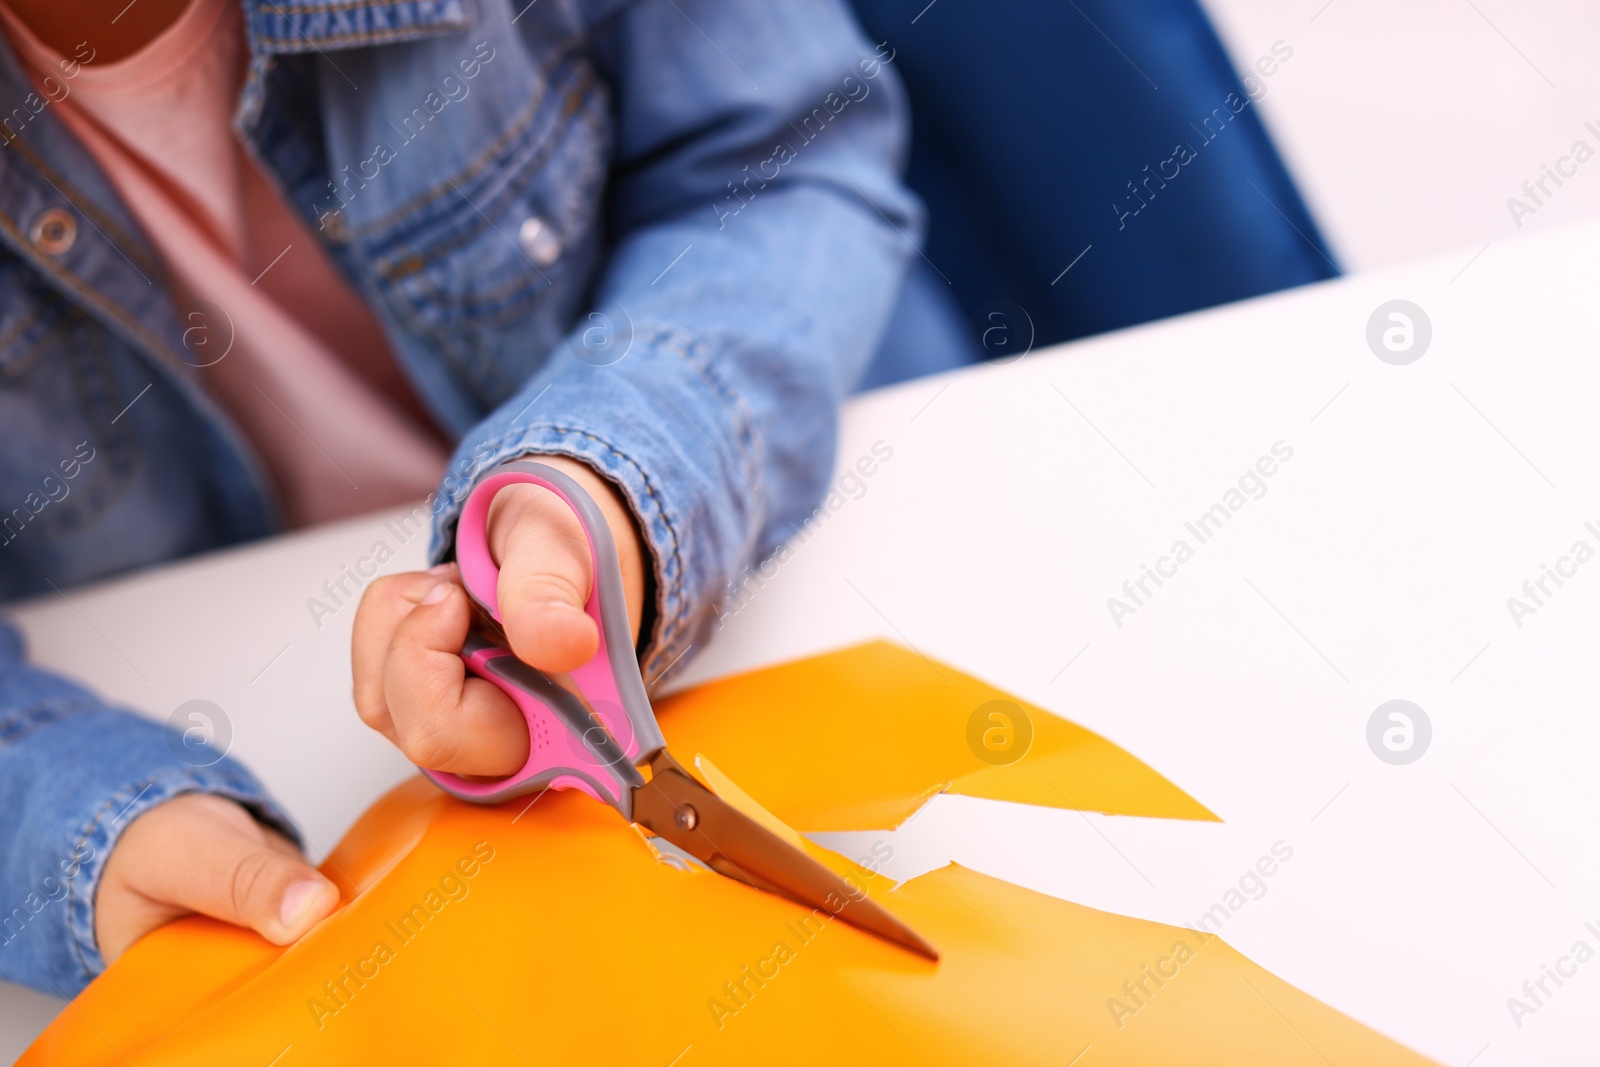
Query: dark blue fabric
x=1028, y=124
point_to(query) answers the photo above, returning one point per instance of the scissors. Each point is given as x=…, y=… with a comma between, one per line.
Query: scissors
x=594, y=730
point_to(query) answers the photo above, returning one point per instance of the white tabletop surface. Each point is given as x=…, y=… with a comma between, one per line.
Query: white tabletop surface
x=1376, y=566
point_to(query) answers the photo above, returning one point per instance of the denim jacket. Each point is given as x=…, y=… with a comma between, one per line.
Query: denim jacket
x=660, y=236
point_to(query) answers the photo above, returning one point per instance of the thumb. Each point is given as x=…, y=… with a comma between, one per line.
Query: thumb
x=206, y=854
x=251, y=883
x=545, y=575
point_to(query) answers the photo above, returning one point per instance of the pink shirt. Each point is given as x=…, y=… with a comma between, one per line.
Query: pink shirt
x=307, y=373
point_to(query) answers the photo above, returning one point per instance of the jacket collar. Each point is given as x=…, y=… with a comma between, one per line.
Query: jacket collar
x=283, y=26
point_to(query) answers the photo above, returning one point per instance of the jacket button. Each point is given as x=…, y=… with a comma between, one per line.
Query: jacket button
x=539, y=242
x=54, y=231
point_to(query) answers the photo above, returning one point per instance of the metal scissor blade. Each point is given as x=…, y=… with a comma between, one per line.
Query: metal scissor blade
x=677, y=807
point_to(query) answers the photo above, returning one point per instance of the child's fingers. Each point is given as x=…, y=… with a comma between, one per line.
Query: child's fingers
x=443, y=718
x=545, y=575
x=384, y=603
x=200, y=853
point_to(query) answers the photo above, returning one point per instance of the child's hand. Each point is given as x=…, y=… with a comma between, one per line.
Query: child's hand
x=206, y=854
x=410, y=683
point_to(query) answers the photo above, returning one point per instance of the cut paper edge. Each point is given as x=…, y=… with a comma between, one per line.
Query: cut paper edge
x=837, y=862
x=728, y=790
x=904, y=734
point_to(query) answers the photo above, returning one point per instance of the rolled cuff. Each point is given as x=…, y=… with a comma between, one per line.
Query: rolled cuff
x=676, y=440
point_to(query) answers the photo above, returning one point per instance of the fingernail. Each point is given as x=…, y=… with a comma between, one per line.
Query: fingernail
x=441, y=569
x=296, y=899
x=437, y=593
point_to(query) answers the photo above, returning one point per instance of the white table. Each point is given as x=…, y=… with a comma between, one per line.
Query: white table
x=1017, y=500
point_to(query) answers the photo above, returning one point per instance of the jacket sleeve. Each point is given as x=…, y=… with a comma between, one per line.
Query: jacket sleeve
x=758, y=236
x=73, y=774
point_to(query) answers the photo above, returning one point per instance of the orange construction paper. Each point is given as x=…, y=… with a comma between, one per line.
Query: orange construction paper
x=554, y=934
x=859, y=740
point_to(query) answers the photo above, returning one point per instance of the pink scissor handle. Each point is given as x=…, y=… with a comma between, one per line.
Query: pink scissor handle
x=565, y=750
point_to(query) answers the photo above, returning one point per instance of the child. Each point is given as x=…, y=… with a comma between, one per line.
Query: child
x=270, y=264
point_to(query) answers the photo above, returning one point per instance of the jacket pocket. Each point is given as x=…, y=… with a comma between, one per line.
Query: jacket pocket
x=490, y=269
x=66, y=456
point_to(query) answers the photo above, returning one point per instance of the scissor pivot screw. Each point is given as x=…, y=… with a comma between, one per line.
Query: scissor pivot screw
x=686, y=817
